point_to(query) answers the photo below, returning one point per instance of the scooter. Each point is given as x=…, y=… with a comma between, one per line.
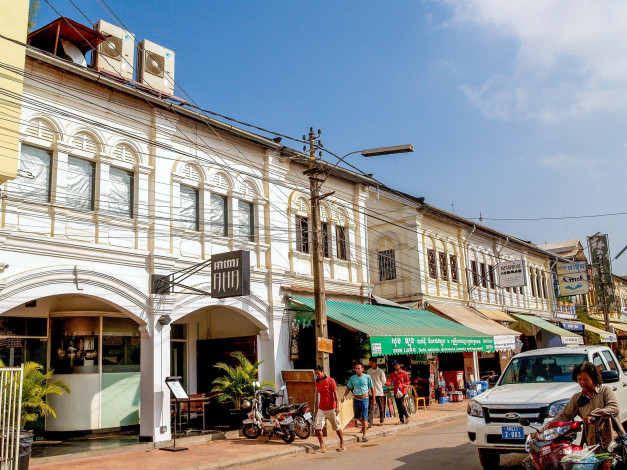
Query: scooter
x=279, y=420
x=547, y=448
x=303, y=422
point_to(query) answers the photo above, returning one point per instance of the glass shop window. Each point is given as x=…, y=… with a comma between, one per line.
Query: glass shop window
x=74, y=345
x=120, y=345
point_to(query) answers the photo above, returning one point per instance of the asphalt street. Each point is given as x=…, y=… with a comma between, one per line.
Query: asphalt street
x=439, y=446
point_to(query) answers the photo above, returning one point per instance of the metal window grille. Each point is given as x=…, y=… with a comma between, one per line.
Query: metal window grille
x=484, y=276
x=340, y=239
x=433, y=269
x=387, y=265
x=302, y=234
x=454, y=275
x=443, y=265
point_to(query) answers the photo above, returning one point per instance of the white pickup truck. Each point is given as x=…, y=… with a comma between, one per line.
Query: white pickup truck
x=536, y=385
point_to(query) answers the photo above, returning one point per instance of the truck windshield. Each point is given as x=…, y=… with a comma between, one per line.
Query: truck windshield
x=534, y=369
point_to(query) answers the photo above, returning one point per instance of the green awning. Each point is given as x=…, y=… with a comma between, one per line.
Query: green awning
x=395, y=330
x=566, y=336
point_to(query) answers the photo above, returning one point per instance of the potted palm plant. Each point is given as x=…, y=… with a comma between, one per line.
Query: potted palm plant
x=237, y=384
x=36, y=387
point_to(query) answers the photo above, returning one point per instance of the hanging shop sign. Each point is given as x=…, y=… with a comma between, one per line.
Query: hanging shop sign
x=230, y=274
x=512, y=273
x=572, y=278
x=384, y=345
x=325, y=345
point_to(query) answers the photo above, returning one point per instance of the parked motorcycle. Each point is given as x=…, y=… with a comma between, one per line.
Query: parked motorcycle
x=303, y=422
x=279, y=421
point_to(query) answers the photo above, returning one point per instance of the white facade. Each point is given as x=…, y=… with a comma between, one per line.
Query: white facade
x=425, y=254
x=126, y=186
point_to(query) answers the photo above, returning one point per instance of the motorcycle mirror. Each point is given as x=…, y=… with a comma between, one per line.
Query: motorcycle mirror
x=524, y=422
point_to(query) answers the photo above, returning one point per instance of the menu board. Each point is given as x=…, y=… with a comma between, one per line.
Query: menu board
x=176, y=388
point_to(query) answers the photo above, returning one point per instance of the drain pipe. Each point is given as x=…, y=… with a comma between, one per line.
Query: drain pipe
x=498, y=260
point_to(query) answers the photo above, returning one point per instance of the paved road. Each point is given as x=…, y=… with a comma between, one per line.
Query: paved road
x=438, y=446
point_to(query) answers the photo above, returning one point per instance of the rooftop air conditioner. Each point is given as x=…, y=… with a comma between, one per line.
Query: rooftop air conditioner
x=116, y=54
x=155, y=67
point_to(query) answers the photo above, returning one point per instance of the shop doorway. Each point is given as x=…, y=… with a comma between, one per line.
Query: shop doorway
x=212, y=351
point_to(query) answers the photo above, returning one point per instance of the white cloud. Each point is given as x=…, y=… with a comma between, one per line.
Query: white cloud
x=570, y=57
x=563, y=161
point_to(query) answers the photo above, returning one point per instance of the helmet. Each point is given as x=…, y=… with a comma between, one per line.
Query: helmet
x=246, y=405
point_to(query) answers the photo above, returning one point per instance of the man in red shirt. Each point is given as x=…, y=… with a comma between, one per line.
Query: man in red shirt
x=400, y=379
x=328, y=408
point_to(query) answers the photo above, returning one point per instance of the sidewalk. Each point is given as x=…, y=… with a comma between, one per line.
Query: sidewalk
x=239, y=451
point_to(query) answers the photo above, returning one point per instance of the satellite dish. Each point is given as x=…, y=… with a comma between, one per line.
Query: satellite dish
x=72, y=53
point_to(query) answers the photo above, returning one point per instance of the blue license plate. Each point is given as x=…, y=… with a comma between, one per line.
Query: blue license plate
x=512, y=432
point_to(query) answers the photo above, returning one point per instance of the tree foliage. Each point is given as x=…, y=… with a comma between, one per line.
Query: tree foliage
x=33, y=11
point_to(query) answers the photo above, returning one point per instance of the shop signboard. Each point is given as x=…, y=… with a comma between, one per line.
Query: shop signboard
x=512, y=273
x=325, y=345
x=230, y=274
x=384, y=345
x=572, y=278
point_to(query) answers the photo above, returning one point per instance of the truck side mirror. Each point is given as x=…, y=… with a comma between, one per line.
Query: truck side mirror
x=524, y=422
x=609, y=376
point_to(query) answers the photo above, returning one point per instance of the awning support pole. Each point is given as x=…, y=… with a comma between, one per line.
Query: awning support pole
x=475, y=365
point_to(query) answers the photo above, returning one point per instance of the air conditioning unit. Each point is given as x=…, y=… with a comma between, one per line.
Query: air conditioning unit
x=116, y=54
x=155, y=67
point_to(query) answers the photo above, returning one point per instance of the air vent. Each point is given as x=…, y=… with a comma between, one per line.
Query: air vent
x=153, y=63
x=112, y=47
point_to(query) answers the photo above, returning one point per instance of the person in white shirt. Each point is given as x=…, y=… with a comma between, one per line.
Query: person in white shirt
x=378, y=381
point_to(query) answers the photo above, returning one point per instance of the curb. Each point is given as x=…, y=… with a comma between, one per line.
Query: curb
x=331, y=443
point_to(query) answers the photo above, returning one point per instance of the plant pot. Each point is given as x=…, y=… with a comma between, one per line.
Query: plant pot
x=26, y=446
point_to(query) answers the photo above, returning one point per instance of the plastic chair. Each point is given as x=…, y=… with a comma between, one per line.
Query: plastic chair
x=421, y=401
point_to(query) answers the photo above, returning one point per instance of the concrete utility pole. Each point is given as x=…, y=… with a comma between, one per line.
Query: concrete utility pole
x=320, y=297
x=317, y=248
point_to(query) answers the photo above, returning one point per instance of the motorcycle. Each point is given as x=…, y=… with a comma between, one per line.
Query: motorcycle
x=303, y=422
x=279, y=421
x=546, y=448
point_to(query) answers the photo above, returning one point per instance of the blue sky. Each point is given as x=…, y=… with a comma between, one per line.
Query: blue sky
x=516, y=109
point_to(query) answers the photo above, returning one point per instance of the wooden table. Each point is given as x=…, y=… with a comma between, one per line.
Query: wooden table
x=200, y=399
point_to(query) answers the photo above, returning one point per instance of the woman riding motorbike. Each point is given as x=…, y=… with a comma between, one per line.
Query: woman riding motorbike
x=593, y=403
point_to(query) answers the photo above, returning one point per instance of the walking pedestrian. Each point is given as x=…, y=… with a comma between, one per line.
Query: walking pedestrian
x=378, y=381
x=361, y=386
x=328, y=408
x=400, y=380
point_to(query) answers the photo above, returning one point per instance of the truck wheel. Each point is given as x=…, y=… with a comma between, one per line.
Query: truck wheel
x=490, y=459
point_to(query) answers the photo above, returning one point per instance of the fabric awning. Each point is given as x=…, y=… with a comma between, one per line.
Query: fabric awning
x=496, y=315
x=504, y=338
x=530, y=322
x=606, y=337
x=571, y=325
x=620, y=326
x=401, y=331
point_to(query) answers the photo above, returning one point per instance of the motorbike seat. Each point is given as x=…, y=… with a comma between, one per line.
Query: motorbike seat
x=275, y=409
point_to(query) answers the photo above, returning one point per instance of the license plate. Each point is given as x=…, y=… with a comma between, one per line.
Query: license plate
x=307, y=415
x=289, y=419
x=512, y=432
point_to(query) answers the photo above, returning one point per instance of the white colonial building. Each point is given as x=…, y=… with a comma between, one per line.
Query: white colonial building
x=118, y=184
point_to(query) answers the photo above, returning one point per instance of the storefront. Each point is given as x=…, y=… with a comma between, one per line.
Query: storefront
x=544, y=333
x=489, y=363
x=419, y=339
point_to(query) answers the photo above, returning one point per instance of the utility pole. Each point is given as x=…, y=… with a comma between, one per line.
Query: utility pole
x=320, y=298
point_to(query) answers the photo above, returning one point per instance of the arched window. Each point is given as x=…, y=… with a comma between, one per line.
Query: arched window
x=301, y=224
x=246, y=213
x=341, y=235
x=218, y=205
x=190, y=198
x=387, y=259
x=122, y=181
x=81, y=173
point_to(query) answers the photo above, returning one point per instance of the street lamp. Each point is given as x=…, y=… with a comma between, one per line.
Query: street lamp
x=315, y=182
